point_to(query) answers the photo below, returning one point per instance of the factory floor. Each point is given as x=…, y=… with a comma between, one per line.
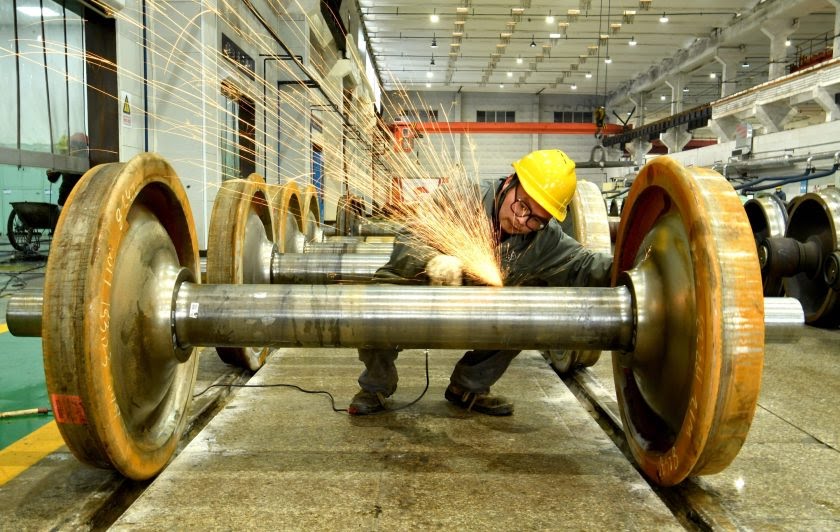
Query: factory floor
x=274, y=457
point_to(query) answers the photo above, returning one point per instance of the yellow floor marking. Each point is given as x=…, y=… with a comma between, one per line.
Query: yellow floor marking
x=3, y=328
x=27, y=451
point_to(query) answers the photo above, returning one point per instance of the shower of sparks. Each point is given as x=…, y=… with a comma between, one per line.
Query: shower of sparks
x=185, y=105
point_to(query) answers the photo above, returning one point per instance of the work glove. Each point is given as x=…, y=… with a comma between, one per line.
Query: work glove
x=445, y=270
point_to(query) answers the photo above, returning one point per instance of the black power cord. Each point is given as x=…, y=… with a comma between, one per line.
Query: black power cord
x=15, y=282
x=328, y=394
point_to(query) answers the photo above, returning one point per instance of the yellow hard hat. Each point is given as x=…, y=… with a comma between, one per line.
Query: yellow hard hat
x=548, y=176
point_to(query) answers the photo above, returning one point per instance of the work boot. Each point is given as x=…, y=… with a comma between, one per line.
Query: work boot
x=365, y=402
x=480, y=402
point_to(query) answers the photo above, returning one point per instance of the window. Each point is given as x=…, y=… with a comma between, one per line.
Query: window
x=44, y=72
x=495, y=116
x=420, y=115
x=574, y=117
x=236, y=142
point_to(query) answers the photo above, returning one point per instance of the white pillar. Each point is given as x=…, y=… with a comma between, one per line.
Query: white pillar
x=773, y=115
x=836, y=43
x=638, y=148
x=730, y=59
x=778, y=31
x=640, y=100
x=723, y=128
x=676, y=138
x=676, y=83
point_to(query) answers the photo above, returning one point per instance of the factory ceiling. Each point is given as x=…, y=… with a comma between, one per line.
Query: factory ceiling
x=612, y=49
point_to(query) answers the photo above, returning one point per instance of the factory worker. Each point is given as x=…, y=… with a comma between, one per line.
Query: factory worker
x=525, y=209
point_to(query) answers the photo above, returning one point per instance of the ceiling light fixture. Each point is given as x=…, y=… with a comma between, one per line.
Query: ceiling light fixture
x=434, y=17
x=432, y=62
x=713, y=75
x=510, y=74
x=550, y=18
x=607, y=60
x=787, y=42
x=573, y=86
x=430, y=74
x=588, y=75
x=662, y=98
x=501, y=85
x=434, y=40
x=745, y=64
x=685, y=89
x=632, y=41
x=533, y=44
x=519, y=60
x=663, y=19
x=428, y=84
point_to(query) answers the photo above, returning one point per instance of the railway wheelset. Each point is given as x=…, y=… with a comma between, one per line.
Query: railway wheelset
x=122, y=312
x=799, y=250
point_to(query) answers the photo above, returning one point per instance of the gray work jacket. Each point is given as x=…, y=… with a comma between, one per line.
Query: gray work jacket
x=542, y=258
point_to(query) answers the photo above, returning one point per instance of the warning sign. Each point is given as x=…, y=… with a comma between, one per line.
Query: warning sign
x=126, y=109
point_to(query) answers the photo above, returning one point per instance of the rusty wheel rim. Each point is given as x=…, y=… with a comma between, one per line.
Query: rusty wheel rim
x=816, y=215
x=241, y=236
x=311, y=215
x=586, y=222
x=119, y=388
x=768, y=219
x=287, y=203
x=727, y=343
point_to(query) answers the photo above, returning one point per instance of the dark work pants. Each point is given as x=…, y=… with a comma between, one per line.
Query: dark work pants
x=476, y=372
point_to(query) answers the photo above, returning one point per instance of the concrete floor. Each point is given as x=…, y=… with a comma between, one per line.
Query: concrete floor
x=276, y=458
x=787, y=474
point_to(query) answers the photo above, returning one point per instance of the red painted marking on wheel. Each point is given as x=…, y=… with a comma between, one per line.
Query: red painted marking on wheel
x=68, y=409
